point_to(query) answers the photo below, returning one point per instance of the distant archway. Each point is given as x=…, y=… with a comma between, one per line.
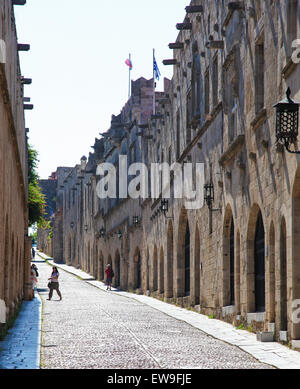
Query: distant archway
x=170, y=262
x=137, y=269
x=183, y=256
x=155, y=270
x=117, y=269
x=161, y=271
x=196, y=270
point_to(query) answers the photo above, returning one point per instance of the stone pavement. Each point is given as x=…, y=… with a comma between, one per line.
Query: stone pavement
x=272, y=353
x=21, y=347
x=91, y=328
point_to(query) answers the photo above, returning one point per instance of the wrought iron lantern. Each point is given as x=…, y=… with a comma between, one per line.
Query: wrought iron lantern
x=135, y=220
x=287, y=122
x=86, y=227
x=164, y=206
x=72, y=225
x=119, y=233
x=209, y=195
x=102, y=232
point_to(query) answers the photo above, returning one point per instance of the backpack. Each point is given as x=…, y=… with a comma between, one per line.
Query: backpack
x=112, y=273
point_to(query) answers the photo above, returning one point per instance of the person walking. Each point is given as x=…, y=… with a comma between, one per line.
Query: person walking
x=33, y=253
x=109, y=275
x=33, y=279
x=54, y=284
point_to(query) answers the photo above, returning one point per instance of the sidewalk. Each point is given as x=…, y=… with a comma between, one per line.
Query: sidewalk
x=21, y=347
x=271, y=353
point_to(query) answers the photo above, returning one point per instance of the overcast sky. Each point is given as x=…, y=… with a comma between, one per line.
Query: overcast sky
x=77, y=63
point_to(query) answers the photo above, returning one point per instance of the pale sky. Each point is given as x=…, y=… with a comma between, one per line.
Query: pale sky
x=77, y=64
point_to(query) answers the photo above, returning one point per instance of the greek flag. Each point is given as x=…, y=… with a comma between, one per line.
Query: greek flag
x=156, y=70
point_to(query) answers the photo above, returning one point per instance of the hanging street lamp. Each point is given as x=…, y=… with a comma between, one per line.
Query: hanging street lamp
x=287, y=122
x=209, y=195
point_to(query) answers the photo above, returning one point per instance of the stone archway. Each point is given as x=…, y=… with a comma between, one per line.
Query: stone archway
x=155, y=270
x=147, y=269
x=283, y=278
x=6, y=265
x=117, y=269
x=161, y=271
x=296, y=249
x=183, y=272
x=137, y=269
x=229, y=292
x=196, y=285
x=271, y=314
x=101, y=267
x=256, y=291
x=170, y=262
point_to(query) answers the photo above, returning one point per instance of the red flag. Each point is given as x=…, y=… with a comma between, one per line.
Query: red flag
x=128, y=63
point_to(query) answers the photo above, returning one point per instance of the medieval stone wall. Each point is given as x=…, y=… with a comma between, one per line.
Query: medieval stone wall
x=14, y=245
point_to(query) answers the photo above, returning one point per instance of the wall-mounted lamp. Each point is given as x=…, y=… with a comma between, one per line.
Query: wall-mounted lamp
x=287, y=122
x=86, y=228
x=119, y=234
x=135, y=221
x=102, y=232
x=164, y=206
x=72, y=225
x=209, y=195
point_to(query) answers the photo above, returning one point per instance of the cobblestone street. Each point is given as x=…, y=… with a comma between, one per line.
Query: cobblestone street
x=94, y=329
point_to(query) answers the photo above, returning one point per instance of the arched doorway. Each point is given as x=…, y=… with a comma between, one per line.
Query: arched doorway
x=283, y=279
x=170, y=262
x=232, y=255
x=229, y=262
x=271, y=283
x=187, y=262
x=89, y=257
x=183, y=271
x=117, y=269
x=101, y=267
x=259, y=265
x=196, y=269
x=147, y=269
x=154, y=270
x=161, y=271
x=6, y=265
x=295, y=255
x=137, y=261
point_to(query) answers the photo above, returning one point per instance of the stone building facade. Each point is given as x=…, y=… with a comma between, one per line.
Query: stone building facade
x=238, y=259
x=15, y=245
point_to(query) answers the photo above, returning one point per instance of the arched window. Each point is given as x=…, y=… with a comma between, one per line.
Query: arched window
x=196, y=86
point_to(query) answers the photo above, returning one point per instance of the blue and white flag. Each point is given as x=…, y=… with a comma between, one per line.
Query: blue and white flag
x=156, y=70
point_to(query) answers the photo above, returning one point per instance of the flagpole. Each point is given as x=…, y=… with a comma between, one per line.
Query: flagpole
x=154, y=84
x=129, y=87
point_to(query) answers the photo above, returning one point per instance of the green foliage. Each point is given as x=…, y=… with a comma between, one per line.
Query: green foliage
x=250, y=329
x=241, y=327
x=36, y=199
x=211, y=317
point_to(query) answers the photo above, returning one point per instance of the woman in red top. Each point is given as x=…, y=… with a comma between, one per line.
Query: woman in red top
x=108, y=273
